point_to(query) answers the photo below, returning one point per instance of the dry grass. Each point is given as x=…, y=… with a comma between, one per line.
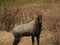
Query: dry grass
x=25, y=13
x=6, y=38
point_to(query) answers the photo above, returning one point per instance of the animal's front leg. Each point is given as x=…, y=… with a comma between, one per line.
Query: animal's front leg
x=32, y=40
x=16, y=41
x=37, y=38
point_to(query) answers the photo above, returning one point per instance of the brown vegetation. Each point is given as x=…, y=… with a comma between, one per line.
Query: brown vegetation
x=6, y=38
x=13, y=16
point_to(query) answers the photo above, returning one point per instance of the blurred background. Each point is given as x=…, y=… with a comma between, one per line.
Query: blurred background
x=16, y=12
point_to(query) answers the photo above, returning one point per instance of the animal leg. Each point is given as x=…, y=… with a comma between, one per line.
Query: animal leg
x=16, y=41
x=37, y=38
x=32, y=40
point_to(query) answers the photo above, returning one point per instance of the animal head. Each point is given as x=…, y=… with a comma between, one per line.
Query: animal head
x=39, y=19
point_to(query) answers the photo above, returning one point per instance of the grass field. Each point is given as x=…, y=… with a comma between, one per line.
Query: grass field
x=50, y=34
x=19, y=2
x=23, y=11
